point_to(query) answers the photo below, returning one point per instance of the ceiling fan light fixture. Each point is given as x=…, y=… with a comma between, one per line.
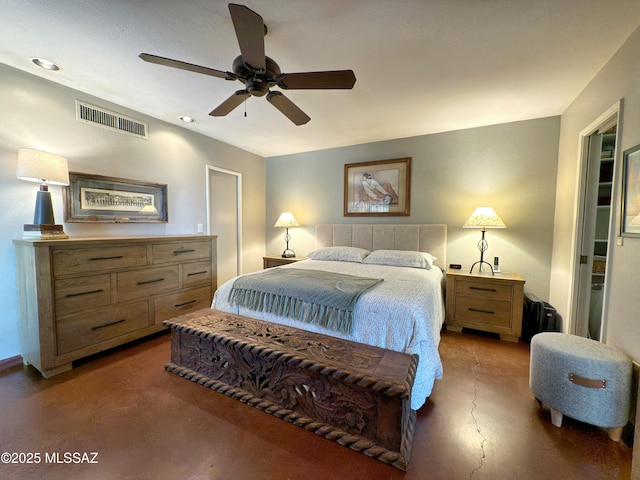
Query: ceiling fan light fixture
x=46, y=64
x=258, y=72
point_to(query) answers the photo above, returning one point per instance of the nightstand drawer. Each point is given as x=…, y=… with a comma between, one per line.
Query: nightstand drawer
x=486, y=290
x=481, y=311
x=271, y=261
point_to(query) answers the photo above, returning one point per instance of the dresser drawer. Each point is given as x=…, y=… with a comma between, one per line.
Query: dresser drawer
x=169, y=306
x=491, y=291
x=180, y=251
x=137, y=284
x=194, y=274
x=90, y=328
x=481, y=311
x=89, y=260
x=82, y=293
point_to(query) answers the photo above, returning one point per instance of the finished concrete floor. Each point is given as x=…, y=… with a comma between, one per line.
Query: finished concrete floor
x=481, y=423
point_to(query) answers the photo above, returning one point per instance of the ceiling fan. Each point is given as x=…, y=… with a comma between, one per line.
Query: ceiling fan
x=260, y=73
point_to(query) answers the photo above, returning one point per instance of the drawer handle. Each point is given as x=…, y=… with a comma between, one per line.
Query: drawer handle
x=483, y=289
x=196, y=273
x=190, y=302
x=151, y=281
x=122, y=320
x=70, y=295
x=178, y=252
x=477, y=310
x=115, y=257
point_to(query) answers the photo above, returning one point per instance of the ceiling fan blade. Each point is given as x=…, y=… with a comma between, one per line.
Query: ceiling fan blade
x=230, y=103
x=288, y=108
x=167, y=62
x=250, y=31
x=335, y=79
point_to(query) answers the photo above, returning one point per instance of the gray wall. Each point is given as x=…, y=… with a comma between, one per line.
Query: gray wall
x=511, y=167
x=619, y=79
x=38, y=114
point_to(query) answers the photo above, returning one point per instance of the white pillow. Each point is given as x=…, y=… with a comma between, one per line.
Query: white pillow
x=401, y=258
x=339, y=254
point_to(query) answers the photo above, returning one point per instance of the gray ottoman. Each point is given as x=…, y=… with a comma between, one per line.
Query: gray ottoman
x=581, y=378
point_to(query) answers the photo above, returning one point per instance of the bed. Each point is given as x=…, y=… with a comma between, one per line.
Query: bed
x=404, y=312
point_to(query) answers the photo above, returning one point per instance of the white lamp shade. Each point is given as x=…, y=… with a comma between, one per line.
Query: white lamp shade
x=484, y=217
x=42, y=167
x=287, y=220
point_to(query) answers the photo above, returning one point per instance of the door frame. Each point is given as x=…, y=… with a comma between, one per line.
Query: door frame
x=610, y=117
x=208, y=195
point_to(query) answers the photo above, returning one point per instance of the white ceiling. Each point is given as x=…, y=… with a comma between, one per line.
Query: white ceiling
x=422, y=66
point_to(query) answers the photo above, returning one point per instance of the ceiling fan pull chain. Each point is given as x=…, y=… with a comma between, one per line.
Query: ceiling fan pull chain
x=245, y=108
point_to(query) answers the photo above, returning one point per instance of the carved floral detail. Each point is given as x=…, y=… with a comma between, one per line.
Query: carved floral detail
x=306, y=391
x=324, y=384
x=339, y=351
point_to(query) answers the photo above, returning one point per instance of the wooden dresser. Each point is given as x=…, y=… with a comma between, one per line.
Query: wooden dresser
x=482, y=301
x=80, y=296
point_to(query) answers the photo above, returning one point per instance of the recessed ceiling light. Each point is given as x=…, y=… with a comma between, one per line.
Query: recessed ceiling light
x=187, y=119
x=46, y=64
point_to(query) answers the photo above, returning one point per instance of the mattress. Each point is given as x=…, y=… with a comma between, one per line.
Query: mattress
x=404, y=313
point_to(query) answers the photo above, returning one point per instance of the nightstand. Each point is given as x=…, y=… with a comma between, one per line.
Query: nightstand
x=277, y=260
x=482, y=301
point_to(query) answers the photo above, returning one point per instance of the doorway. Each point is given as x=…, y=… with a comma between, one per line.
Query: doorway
x=224, y=219
x=596, y=226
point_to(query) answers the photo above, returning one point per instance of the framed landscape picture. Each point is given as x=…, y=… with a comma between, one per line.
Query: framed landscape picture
x=95, y=198
x=378, y=188
x=631, y=192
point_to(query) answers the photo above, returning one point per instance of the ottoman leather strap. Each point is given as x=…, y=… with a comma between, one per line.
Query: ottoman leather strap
x=587, y=382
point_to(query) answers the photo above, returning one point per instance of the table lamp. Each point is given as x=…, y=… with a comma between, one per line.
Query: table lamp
x=287, y=220
x=46, y=169
x=483, y=217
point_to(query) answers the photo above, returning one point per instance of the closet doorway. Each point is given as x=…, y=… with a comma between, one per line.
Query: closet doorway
x=597, y=225
x=224, y=214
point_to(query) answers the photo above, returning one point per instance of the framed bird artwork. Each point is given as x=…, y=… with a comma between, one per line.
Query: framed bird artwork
x=378, y=188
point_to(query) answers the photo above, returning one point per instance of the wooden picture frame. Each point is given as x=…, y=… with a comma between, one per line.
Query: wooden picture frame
x=378, y=188
x=630, y=222
x=96, y=198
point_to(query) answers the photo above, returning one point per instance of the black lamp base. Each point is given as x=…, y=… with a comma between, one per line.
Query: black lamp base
x=288, y=253
x=43, y=213
x=480, y=262
x=482, y=246
x=44, y=226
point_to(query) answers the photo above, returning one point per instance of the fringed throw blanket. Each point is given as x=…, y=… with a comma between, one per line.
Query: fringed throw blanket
x=323, y=298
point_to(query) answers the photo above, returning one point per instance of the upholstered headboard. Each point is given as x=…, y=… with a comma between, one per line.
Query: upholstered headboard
x=421, y=238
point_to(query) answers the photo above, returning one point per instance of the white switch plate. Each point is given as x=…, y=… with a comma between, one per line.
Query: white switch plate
x=200, y=228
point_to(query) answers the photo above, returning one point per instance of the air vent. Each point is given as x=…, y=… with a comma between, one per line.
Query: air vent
x=111, y=120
